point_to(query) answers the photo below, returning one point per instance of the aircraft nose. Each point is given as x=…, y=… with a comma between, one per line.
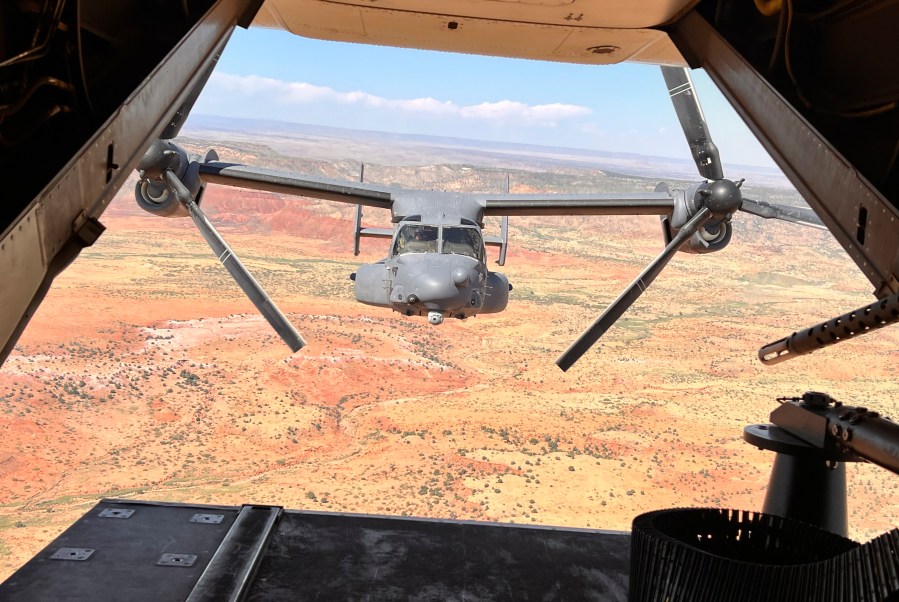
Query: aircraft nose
x=442, y=283
x=448, y=289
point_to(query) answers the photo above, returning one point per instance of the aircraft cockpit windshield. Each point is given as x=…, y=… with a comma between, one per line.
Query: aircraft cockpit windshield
x=456, y=240
x=462, y=240
x=416, y=238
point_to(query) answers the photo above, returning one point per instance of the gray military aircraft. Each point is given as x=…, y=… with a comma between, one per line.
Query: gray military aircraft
x=436, y=264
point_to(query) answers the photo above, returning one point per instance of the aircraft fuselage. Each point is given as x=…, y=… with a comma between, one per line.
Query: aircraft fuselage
x=435, y=268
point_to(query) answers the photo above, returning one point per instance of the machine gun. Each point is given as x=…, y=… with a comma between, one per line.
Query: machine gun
x=796, y=548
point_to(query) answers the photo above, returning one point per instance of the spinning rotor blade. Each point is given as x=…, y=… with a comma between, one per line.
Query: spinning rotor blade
x=631, y=293
x=244, y=176
x=797, y=215
x=689, y=113
x=241, y=275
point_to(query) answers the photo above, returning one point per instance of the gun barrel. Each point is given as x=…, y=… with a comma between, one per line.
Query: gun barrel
x=852, y=324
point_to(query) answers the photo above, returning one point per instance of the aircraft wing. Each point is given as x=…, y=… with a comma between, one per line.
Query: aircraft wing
x=644, y=203
x=257, y=178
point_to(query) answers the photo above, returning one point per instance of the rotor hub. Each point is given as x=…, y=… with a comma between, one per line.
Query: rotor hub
x=722, y=197
x=162, y=155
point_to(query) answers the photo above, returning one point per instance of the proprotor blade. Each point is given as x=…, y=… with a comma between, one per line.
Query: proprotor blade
x=692, y=121
x=631, y=293
x=797, y=215
x=232, y=263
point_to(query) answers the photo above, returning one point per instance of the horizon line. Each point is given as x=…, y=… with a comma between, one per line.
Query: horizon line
x=770, y=170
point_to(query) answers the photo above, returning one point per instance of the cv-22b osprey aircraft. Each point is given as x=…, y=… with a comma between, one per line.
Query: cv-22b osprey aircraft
x=436, y=264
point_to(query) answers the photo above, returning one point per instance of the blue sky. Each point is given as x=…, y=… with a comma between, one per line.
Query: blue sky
x=271, y=74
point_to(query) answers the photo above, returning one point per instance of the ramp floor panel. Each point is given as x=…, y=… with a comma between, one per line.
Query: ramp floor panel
x=128, y=551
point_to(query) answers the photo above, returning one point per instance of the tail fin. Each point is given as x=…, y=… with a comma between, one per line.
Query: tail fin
x=360, y=232
x=503, y=240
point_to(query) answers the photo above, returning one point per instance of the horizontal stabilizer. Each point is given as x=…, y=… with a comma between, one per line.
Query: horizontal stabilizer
x=501, y=241
x=376, y=233
x=359, y=232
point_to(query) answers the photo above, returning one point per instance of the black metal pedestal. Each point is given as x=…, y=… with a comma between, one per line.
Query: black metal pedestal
x=811, y=490
x=807, y=483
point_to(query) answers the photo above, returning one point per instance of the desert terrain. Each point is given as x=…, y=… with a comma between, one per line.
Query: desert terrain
x=146, y=374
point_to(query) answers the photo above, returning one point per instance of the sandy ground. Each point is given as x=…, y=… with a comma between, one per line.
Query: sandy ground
x=147, y=375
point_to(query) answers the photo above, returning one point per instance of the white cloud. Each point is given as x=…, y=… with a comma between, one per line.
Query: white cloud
x=509, y=110
x=504, y=111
